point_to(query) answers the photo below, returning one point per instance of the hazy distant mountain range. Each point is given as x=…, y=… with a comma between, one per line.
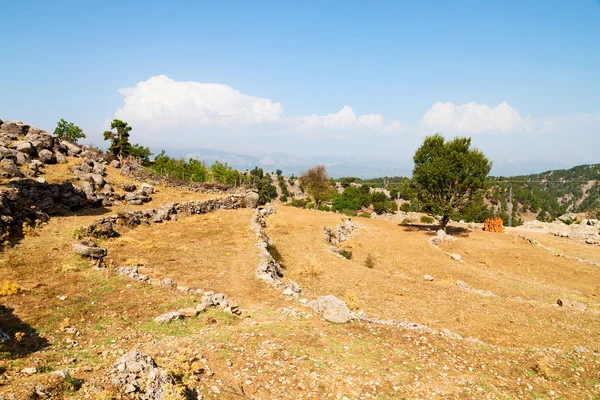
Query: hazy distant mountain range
x=340, y=166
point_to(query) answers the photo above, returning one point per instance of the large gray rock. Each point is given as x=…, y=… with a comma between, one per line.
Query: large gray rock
x=42, y=141
x=331, y=309
x=46, y=156
x=72, y=149
x=89, y=251
x=8, y=169
x=15, y=127
x=60, y=158
x=251, y=199
x=168, y=317
x=137, y=375
x=25, y=147
x=7, y=153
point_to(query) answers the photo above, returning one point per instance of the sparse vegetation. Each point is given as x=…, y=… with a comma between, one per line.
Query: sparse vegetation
x=370, y=261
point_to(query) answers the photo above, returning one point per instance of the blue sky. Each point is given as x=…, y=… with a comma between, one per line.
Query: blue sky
x=364, y=81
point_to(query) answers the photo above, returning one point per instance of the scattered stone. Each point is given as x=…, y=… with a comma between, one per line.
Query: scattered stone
x=188, y=312
x=89, y=251
x=167, y=317
x=428, y=278
x=30, y=370
x=331, y=309
x=61, y=373
x=462, y=285
x=456, y=257
x=115, y=164
x=581, y=349
x=168, y=282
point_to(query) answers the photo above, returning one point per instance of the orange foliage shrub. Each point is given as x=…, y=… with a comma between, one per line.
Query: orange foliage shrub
x=493, y=225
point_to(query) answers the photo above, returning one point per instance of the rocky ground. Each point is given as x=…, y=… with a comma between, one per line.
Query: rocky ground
x=121, y=285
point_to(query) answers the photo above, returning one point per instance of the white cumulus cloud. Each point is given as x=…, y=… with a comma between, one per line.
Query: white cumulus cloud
x=346, y=119
x=161, y=101
x=473, y=118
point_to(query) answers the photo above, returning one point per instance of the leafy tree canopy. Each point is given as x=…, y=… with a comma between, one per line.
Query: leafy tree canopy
x=448, y=175
x=316, y=183
x=68, y=131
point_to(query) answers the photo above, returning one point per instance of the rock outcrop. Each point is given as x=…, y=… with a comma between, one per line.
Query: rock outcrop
x=137, y=375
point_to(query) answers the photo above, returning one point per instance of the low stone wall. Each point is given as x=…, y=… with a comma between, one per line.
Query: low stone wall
x=132, y=169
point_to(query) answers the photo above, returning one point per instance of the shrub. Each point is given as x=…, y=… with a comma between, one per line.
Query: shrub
x=350, y=213
x=283, y=198
x=370, y=261
x=347, y=254
x=364, y=215
x=405, y=207
x=324, y=207
x=310, y=206
x=300, y=203
x=425, y=219
x=406, y=221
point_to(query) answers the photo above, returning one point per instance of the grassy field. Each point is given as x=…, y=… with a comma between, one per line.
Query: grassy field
x=516, y=344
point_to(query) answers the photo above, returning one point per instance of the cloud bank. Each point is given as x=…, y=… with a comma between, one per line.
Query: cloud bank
x=162, y=102
x=472, y=118
x=186, y=116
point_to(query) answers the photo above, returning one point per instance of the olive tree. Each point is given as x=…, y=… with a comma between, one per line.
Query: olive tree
x=448, y=176
x=316, y=183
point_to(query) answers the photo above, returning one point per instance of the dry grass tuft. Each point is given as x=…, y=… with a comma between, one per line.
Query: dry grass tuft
x=370, y=261
x=311, y=270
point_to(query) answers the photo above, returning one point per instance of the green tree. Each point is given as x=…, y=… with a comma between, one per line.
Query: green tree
x=141, y=152
x=119, y=140
x=448, y=175
x=68, y=131
x=316, y=183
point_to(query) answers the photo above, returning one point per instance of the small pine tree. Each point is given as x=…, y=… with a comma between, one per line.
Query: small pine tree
x=119, y=140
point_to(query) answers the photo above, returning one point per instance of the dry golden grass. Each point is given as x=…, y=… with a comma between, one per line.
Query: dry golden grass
x=513, y=270
x=299, y=355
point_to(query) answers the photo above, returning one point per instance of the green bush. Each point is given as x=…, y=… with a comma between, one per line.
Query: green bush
x=324, y=207
x=300, y=203
x=406, y=221
x=347, y=254
x=310, y=206
x=405, y=207
x=364, y=215
x=283, y=198
x=427, y=219
x=350, y=213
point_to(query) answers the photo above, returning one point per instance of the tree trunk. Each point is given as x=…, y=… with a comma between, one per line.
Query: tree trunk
x=444, y=222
